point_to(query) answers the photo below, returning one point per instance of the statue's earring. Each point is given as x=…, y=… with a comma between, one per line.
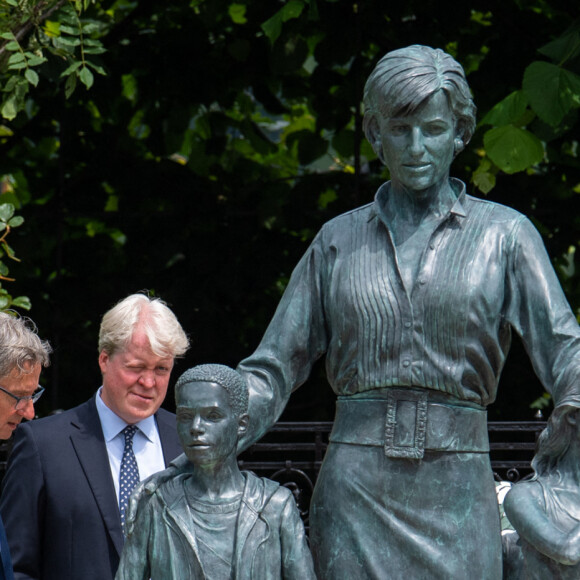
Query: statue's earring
x=458, y=145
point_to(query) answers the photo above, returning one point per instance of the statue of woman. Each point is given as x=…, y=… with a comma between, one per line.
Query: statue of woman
x=413, y=299
x=545, y=510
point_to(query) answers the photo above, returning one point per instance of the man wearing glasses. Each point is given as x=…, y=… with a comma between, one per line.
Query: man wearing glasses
x=22, y=356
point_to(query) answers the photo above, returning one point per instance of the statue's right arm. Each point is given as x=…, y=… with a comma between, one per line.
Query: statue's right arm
x=295, y=338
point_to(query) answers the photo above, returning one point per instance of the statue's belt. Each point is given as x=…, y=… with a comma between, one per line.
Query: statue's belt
x=406, y=423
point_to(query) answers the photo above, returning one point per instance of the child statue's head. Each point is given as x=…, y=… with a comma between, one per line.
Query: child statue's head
x=212, y=404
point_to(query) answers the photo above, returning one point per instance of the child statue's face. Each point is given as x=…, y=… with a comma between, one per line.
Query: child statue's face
x=207, y=426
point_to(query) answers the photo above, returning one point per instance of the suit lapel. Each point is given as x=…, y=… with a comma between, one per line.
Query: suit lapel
x=168, y=434
x=89, y=444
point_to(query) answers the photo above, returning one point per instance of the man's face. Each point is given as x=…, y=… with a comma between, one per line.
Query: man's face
x=21, y=384
x=207, y=426
x=135, y=380
x=418, y=148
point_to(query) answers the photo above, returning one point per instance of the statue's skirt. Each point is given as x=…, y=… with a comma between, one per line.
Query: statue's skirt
x=379, y=517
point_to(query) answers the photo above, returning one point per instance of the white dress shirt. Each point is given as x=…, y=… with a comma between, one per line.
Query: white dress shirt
x=146, y=443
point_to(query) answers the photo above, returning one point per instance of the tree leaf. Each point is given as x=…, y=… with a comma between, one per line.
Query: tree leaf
x=551, y=90
x=6, y=212
x=36, y=60
x=12, y=46
x=237, y=13
x=95, y=50
x=16, y=57
x=17, y=66
x=96, y=68
x=71, y=69
x=70, y=86
x=16, y=221
x=273, y=26
x=86, y=77
x=507, y=111
x=31, y=76
x=66, y=41
x=22, y=302
x=484, y=176
x=9, y=110
x=564, y=48
x=51, y=28
x=72, y=30
x=513, y=149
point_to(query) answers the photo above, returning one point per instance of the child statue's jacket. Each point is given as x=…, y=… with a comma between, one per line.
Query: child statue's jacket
x=270, y=543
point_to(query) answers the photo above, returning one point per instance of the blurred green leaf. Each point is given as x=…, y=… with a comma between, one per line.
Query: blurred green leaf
x=6, y=212
x=513, y=149
x=31, y=77
x=22, y=302
x=551, y=90
x=508, y=111
x=86, y=77
x=273, y=26
x=237, y=13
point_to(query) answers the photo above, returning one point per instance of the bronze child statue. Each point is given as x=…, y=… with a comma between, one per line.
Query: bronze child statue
x=545, y=510
x=214, y=522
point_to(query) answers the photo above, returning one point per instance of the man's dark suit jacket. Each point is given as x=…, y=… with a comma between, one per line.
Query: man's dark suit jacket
x=59, y=503
x=5, y=561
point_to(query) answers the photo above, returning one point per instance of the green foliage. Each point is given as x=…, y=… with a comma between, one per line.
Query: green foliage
x=527, y=119
x=223, y=135
x=9, y=221
x=34, y=46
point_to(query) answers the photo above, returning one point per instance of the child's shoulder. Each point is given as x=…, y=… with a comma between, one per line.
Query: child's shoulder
x=266, y=493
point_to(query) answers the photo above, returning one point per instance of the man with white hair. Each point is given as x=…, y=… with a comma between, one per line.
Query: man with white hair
x=70, y=475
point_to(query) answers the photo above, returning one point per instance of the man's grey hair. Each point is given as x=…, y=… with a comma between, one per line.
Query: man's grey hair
x=20, y=346
x=224, y=376
x=165, y=334
x=405, y=78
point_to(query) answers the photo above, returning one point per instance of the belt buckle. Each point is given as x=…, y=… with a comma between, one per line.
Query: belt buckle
x=406, y=423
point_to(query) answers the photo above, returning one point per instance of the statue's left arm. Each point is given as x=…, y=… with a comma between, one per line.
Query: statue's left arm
x=540, y=314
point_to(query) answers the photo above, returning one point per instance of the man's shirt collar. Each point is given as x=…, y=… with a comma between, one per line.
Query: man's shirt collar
x=112, y=424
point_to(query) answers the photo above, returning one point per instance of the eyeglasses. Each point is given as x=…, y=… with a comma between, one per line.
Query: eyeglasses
x=21, y=402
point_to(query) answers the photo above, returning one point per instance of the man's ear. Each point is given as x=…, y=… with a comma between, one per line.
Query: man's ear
x=103, y=360
x=243, y=423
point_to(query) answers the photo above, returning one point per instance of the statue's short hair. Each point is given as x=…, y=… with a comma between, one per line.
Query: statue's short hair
x=405, y=78
x=20, y=345
x=224, y=376
x=165, y=334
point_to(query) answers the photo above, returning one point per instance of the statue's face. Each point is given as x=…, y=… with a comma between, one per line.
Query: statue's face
x=207, y=426
x=418, y=148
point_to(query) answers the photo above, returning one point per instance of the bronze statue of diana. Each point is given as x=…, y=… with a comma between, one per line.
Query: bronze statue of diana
x=413, y=299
